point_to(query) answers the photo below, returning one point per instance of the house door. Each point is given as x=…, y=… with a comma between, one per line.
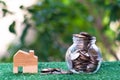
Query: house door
x=20, y=69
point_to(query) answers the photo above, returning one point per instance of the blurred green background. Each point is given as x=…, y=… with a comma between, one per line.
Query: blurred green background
x=54, y=22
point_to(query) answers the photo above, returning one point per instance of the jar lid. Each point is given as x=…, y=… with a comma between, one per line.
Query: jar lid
x=84, y=35
x=78, y=35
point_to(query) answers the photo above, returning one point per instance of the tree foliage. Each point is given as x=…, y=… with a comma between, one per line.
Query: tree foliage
x=56, y=20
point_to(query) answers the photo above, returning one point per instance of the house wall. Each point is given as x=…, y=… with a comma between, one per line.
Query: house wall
x=21, y=59
x=30, y=69
x=15, y=69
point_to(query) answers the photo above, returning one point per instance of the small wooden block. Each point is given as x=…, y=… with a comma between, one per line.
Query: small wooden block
x=27, y=60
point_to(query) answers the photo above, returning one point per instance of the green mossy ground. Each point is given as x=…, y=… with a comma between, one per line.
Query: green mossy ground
x=108, y=71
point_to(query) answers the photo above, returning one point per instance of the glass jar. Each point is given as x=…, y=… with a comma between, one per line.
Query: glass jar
x=83, y=55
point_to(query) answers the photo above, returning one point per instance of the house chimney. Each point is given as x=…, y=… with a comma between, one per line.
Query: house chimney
x=31, y=52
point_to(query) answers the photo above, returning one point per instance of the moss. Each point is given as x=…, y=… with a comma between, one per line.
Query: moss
x=108, y=71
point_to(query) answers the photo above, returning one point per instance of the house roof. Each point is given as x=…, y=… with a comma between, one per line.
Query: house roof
x=25, y=53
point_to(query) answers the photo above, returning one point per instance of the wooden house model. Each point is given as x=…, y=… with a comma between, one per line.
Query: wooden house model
x=27, y=60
